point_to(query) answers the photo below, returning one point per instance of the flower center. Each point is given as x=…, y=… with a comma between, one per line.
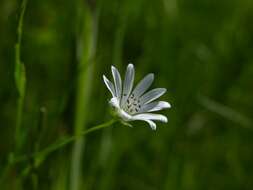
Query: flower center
x=132, y=105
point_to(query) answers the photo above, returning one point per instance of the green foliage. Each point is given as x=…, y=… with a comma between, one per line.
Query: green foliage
x=53, y=55
x=20, y=76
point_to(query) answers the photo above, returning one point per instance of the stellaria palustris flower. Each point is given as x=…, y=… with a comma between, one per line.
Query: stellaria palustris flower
x=136, y=104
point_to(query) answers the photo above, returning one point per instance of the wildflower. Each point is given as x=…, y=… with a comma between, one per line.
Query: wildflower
x=131, y=105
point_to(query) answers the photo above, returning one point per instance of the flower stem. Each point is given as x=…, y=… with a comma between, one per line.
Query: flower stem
x=40, y=156
x=61, y=143
x=20, y=76
x=86, y=42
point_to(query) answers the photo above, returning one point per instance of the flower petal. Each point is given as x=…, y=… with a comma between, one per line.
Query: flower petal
x=109, y=85
x=150, y=116
x=151, y=124
x=143, y=85
x=152, y=95
x=154, y=106
x=128, y=83
x=117, y=82
x=160, y=106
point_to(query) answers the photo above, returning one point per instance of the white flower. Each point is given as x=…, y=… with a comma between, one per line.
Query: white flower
x=136, y=105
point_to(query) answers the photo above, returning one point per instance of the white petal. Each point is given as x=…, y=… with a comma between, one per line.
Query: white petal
x=160, y=106
x=117, y=82
x=143, y=85
x=128, y=83
x=152, y=95
x=109, y=85
x=154, y=106
x=114, y=102
x=150, y=116
x=151, y=124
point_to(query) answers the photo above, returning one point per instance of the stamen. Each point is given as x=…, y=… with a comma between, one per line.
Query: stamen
x=132, y=104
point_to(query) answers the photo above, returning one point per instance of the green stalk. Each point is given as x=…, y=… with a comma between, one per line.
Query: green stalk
x=20, y=82
x=61, y=143
x=112, y=152
x=20, y=76
x=40, y=156
x=86, y=46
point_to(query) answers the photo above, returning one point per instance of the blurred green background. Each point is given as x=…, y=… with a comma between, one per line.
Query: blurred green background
x=200, y=50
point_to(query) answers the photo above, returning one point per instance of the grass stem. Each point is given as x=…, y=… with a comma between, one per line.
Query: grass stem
x=20, y=76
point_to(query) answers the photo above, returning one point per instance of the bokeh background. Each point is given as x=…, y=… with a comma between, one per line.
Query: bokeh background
x=200, y=50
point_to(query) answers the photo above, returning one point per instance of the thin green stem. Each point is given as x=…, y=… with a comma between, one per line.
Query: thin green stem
x=20, y=76
x=87, y=23
x=20, y=82
x=40, y=156
x=61, y=143
x=21, y=18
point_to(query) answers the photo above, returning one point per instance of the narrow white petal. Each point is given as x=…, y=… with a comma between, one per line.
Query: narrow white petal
x=151, y=124
x=109, y=85
x=154, y=106
x=150, y=116
x=152, y=95
x=143, y=85
x=160, y=106
x=117, y=82
x=147, y=107
x=114, y=102
x=128, y=83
